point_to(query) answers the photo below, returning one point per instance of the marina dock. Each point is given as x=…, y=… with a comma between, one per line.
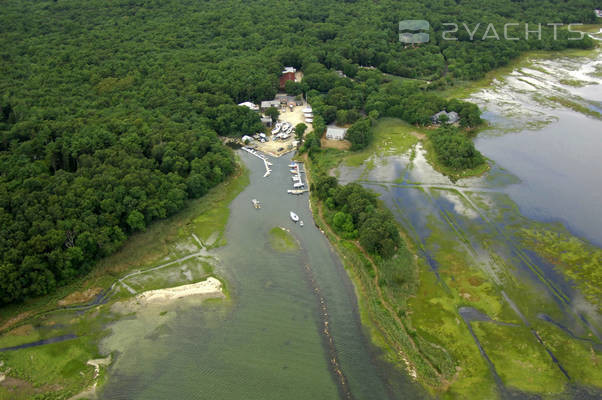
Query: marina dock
x=298, y=184
x=257, y=154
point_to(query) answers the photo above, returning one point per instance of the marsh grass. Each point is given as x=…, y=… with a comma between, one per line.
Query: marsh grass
x=282, y=241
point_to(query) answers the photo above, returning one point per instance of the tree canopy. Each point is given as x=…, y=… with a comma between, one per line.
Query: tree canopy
x=110, y=111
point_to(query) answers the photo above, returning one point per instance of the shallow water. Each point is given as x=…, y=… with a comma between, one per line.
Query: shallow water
x=267, y=341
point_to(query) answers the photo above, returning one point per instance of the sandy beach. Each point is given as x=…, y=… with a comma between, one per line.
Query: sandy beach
x=210, y=287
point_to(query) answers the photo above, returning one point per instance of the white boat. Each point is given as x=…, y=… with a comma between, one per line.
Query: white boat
x=296, y=191
x=300, y=223
x=256, y=203
x=296, y=178
x=293, y=165
x=294, y=217
x=298, y=185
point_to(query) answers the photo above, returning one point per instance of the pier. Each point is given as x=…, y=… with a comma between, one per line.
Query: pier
x=298, y=184
x=257, y=154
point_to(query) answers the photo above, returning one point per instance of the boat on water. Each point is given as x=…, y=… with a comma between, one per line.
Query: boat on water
x=293, y=171
x=300, y=223
x=296, y=178
x=294, y=217
x=256, y=203
x=296, y=191
x=298, y=185
x=293, y=166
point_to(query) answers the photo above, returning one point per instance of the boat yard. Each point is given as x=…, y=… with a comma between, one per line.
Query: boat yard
x=282, y=136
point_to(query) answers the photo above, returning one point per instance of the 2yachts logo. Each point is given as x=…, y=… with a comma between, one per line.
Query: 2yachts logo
x=417, y=31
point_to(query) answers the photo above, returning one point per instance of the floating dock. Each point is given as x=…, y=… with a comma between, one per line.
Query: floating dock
x=257, y=154
x=298, y=183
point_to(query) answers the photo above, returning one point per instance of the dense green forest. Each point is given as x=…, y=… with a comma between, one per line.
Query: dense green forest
x=110, y=111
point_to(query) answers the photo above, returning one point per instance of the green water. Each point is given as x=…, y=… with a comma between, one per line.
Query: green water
x=267, y=340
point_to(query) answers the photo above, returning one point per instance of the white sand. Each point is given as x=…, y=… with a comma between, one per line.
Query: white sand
x=209, y=287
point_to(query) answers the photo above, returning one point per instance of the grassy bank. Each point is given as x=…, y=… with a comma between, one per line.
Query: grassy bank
x=391, y=136
x=59, y=370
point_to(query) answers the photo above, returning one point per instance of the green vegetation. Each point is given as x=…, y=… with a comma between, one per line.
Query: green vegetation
x=454, y=173
x=519, y=359
x=59, y=370
x=454, y=149
x=300, y=131
x=412, y=312
x=575, y=106
x=391, y=137
x=282, y=241
x=206, y=217
x=355, y=214
x=575, y=258
x=273, y=113
x=576, y=356
x=130, y=100
x=360, y=134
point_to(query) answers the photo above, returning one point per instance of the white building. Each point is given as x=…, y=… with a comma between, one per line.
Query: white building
x=598, y=13
x=452, y=117
x=289, y=69
x=335, y=133
x=249, y=105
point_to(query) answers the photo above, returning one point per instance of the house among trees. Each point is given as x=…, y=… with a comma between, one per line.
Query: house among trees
x=598, y=13
x=335, y=133
x=287, y=75
x=445, y=117
x=249, y=105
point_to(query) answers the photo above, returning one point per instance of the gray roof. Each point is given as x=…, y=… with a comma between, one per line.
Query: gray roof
x=334, y=132
x=270, y=103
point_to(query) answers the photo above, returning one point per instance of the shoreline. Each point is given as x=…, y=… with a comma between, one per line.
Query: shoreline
x=210, y=287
